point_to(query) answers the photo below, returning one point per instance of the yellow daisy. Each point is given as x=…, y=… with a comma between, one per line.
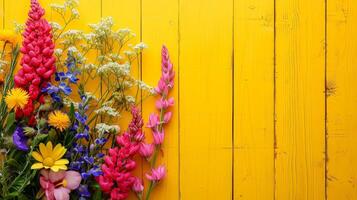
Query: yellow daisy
x=58, y=120
x=8, y=36
x=49, y=158
x=16, y=98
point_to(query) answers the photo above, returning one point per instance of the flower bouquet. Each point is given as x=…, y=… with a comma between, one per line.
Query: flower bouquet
x=60, y=139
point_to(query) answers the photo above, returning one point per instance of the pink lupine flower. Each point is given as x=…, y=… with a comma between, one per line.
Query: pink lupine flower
x=58, y=185
x=164, y=103
x=38, y=62
x=146, y=150
x=154, y=120
x=167, y=117
x=157, y=174
x=158, y=137
x=136, y=123
x=138, y=186
x=117, y=179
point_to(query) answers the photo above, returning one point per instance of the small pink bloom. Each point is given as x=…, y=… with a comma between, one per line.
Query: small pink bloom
x=157, y=174
x=146, y=150
x=58, y=185
x=153, y=120
x=130, y=165
x=105, y=184
x=164, y=103
x=139, y=136
x=158, y=137
x=167, y=117
x=138, y=186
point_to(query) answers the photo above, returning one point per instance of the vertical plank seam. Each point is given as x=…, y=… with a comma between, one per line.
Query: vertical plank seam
x=274, y=102
x=178, y=95
x=326, y=131
x=233, y=97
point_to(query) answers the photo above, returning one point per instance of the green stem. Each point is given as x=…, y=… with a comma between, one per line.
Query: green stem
x=151, y=186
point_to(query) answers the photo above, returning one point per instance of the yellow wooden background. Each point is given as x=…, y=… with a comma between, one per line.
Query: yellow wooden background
x=266, y=93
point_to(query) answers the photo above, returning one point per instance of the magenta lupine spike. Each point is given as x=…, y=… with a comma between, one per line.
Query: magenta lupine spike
x=38, y=62
x=166, y=81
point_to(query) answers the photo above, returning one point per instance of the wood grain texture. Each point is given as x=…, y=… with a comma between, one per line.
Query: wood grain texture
x=15, y=13
x=254, y=100
x=342, y=99
x=204, y=38
x=2, y=10
x=206, y=99
x=300, y=100
x=160, y=20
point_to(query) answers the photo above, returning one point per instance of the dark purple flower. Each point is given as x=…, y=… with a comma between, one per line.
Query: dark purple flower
x=19, y=139
x=83, y=191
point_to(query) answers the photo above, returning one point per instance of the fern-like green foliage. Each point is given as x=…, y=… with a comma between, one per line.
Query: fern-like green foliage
x=16, y=174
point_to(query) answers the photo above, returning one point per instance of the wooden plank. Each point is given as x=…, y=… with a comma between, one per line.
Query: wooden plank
x=206, y=99
x=2, y=12
x=300, y=107
x=342, y=99
x=254, y=100
x=14, y=12
x=160, y=26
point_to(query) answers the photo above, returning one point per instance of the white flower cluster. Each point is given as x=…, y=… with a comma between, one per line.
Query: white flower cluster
x=103, y=128
x=116, y=68
x=106, y=109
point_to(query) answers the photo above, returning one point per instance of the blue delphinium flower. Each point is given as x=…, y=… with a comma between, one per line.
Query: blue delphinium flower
x=85, y=155
x=64, y=80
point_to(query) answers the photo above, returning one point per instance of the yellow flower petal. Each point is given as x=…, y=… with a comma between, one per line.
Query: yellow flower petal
x=59, y=120
x=16, y=98
x=37, y=156
x=61, y=162
x=43, y=150
x=59, y=152
x=37, y=166
x=50, y=158
x=56, y=168
x=49, y=147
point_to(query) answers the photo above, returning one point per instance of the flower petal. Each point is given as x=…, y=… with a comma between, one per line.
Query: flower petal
x=37, y=166
x=49, y=147
x=73, y=179
x=61, y=162
x=61, y=193
x=56, y=176
x=37, y=156
x=56, y=168
x=43, y=150
x=45, y=173
x=58, y=152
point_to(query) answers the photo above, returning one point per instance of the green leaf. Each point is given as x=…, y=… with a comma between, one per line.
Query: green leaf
x=39, y=138
x=10, y=122
x=71, y=113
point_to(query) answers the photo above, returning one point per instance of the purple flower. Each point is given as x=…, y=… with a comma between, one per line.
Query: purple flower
x=19, y=139
x=83, y=191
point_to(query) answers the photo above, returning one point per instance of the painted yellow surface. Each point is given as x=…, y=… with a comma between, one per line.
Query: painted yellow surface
x=254, y=100
x=205, y=90
x=252, y=120
x=342, y=99
x=300, y=100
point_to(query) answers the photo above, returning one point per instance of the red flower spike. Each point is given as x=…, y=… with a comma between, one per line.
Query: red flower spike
x=38, y=62
x=117, y=179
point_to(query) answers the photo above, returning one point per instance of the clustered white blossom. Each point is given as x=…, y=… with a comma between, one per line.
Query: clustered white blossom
x=103, y=128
